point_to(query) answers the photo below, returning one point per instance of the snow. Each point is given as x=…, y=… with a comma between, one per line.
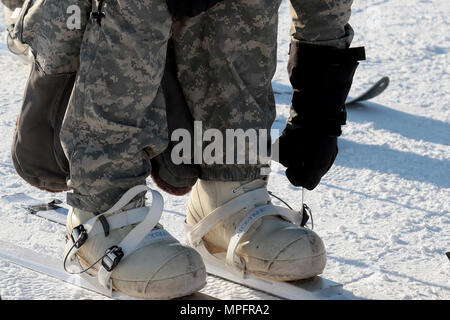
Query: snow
x=383, y=210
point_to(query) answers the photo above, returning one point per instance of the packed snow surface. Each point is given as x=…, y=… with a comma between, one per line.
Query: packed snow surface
x=383, y=210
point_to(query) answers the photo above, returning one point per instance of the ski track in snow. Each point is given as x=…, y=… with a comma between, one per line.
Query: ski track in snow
x=383, y=210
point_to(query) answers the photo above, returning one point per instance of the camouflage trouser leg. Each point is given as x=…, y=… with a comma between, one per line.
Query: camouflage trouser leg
x=116, y=121
x=323, y=22
x=116, y=118
x=226, y=60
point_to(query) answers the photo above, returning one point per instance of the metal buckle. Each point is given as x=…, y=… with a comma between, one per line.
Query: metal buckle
x=98, y=16
x=112, y=258
x=306, y=213
x=79, y=236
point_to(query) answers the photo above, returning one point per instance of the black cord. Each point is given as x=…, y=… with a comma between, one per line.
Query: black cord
x=306, y=208
x=276, y=197
x=85, y=270
x=303, y=209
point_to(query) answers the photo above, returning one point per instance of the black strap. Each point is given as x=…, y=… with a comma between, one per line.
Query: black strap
x=99, y=14
x=189, y=8
x=314, y=53
x=105, y=225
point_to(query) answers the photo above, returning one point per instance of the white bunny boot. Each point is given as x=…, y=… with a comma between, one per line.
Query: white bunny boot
x=130, y=252
x=235, y=222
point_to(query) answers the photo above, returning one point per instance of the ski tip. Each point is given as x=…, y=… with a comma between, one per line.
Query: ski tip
x=448, y=255
x=374, y=91
x=383, y=83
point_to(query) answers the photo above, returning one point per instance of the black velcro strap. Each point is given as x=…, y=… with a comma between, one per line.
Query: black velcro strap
x=309, y=53
x=189, y=8
x=105, y=225
x=343, y=117
x=358, y=53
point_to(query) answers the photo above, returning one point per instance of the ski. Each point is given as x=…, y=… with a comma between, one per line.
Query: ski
x=52, y=267
x=317, y=288
x=53, y=211
x=374, y=91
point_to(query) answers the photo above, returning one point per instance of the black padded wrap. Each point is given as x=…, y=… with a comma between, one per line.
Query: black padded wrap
x=323, y=54
x=321, y=78
x=36, y=151
x=189, y=8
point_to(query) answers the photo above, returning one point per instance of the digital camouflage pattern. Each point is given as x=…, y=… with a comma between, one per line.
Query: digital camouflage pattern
x=322, y=22
x=116, y=119
x=226, y=60
x=226, y=57
x=43, y=25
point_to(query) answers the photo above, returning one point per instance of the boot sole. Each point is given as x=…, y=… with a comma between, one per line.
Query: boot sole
x=304, y=264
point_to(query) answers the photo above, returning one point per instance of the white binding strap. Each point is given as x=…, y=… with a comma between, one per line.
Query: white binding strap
x=123, y=201
x=250, y=219
x=126, y=198
x=258, y=196
x=118, y=221
x=142, y=235
x=154, y=236
x=132, y=240
x=115, y=222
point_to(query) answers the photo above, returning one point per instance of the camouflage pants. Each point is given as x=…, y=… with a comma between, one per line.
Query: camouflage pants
x=116, y=121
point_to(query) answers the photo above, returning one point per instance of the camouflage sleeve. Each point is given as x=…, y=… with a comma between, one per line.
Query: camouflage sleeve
x=54, y=29
x=322, y=22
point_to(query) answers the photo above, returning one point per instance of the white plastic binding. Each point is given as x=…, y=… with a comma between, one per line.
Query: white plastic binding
x=142, y=235
x=232, y=268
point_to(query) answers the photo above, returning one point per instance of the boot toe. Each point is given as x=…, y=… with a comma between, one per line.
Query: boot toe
x=301, y=259
x=172, y=280
x=287, y=254
x=181, y=272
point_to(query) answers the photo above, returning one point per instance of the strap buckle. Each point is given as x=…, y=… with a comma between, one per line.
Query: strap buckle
x=79, y=236
x=112, y=258
x=306, y=215
x=99, y=14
